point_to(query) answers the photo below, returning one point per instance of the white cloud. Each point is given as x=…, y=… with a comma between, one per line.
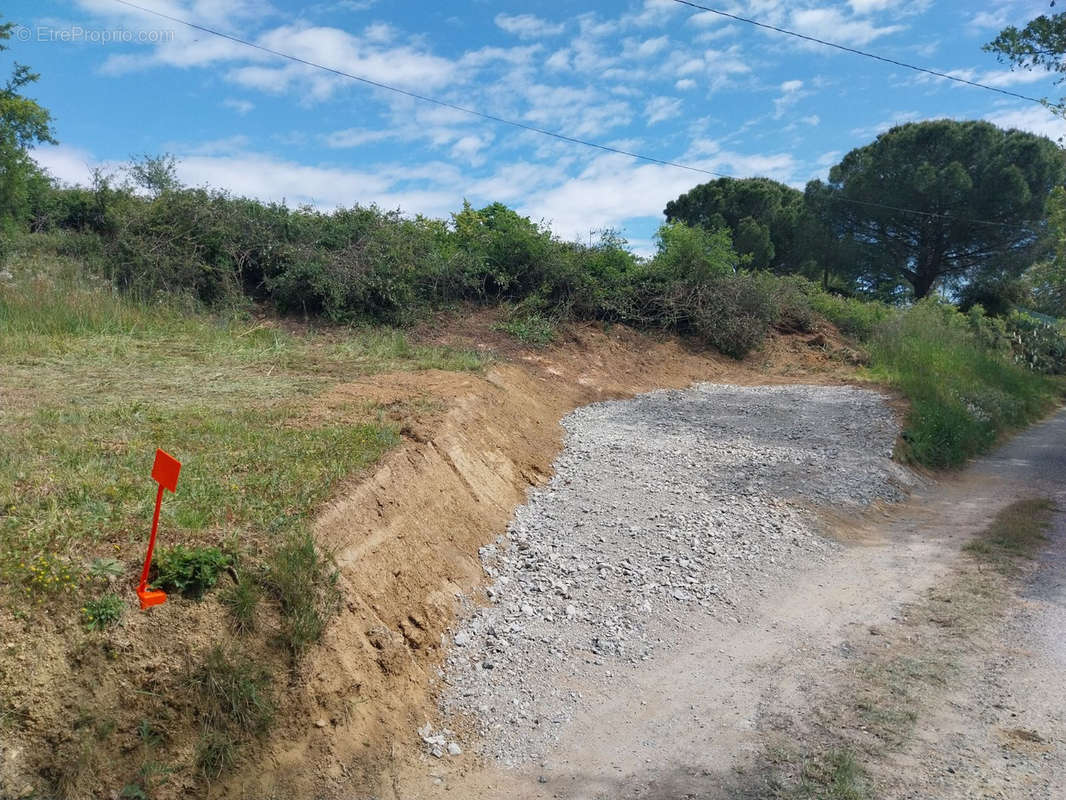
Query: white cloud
x=791, y=93
x=1001, y=78
x=356, y=137
x=610, y=190
x=832, y=25
x=527, y=26
x=685, y=84
x=68, y=164
x=989, y=20
x=659, y=109
x=828, y=159
x=867, y=6
x=576, y=111
x=651, y=47
x=899, y=118
x=469, y=148
x=242, y=107
x=708, y=154
x=1033, y=119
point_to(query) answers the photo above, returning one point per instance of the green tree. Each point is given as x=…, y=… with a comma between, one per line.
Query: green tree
x=979, y=193
x=155, y=174
x=1045, y=281
x=768, y=221
x=1039, y=45
x=23, y=124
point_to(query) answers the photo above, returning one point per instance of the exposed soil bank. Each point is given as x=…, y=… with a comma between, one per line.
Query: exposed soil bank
x=898, y=648
x=407, y=538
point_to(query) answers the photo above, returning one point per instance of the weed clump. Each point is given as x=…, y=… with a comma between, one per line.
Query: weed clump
x=304, y=582
x=102, y=612
x=241, y=601
x=235, y=705
x=192, y=571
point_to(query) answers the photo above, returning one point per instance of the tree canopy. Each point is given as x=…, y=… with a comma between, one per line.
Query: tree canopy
x=765, y=218
x=1040, y=44
x=23, y=123
x=979, y=193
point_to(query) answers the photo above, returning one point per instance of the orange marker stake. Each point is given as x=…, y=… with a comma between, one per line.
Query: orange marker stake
x=165, y=473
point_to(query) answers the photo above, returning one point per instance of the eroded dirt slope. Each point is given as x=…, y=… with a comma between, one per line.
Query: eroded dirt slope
x=407, y=538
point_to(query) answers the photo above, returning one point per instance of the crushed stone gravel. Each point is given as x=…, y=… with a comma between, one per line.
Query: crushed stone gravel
x=661, y=508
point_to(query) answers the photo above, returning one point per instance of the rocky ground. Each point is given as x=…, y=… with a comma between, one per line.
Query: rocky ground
x=663, y=509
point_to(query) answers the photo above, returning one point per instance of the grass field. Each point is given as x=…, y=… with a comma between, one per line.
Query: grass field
x=92, y=383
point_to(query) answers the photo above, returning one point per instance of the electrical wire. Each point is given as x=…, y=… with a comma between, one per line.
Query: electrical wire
x=516, y=124
x=855, y=51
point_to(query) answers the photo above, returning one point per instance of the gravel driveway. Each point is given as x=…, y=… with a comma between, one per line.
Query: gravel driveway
x=669, y=506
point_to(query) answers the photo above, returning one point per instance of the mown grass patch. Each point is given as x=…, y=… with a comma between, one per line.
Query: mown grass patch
x=93, y=382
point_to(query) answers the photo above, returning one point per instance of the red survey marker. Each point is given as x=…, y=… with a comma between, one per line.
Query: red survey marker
x=165, y=473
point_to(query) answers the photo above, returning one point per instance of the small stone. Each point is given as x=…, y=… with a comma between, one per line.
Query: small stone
x=321, y=723
x=454, y=749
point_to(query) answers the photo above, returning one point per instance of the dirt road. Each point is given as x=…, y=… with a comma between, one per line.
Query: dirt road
x=943, y=679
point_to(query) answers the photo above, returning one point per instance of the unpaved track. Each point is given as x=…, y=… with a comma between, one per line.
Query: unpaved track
x=694, y=721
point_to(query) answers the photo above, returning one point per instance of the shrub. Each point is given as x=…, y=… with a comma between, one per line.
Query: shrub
x=1037, y=344
x=103, y=612
x=962, y=394
x=853, y=317
x=190, y=570
x=693, y=255
x=790, y=301
x=528, y=326
x=732, y=314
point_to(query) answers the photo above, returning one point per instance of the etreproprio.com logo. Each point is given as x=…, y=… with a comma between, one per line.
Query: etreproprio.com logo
x=80, y=35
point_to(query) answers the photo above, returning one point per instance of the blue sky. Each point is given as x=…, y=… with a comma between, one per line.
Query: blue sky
x=646, y=75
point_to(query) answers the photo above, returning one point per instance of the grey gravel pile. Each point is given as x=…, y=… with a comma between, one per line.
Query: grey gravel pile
x=663, y=507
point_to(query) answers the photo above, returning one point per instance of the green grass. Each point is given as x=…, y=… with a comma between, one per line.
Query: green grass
x=963, y=397
x=190, y=570
x=835, y=776
x=236, y=702
x=103, y=612
x=851, y=316
x=91, y=383
x=529, y=327
x=241, y=600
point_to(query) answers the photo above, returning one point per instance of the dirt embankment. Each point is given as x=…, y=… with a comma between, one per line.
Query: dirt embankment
x=406, y=538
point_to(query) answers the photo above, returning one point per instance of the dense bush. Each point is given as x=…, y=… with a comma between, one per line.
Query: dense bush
x=968, y=376
x=1036, y=343
x=853, y=317
x=963, y=392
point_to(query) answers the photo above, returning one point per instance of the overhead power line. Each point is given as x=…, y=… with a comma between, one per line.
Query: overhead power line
x=514, y=123
x=857, y=52
x=422, y=97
